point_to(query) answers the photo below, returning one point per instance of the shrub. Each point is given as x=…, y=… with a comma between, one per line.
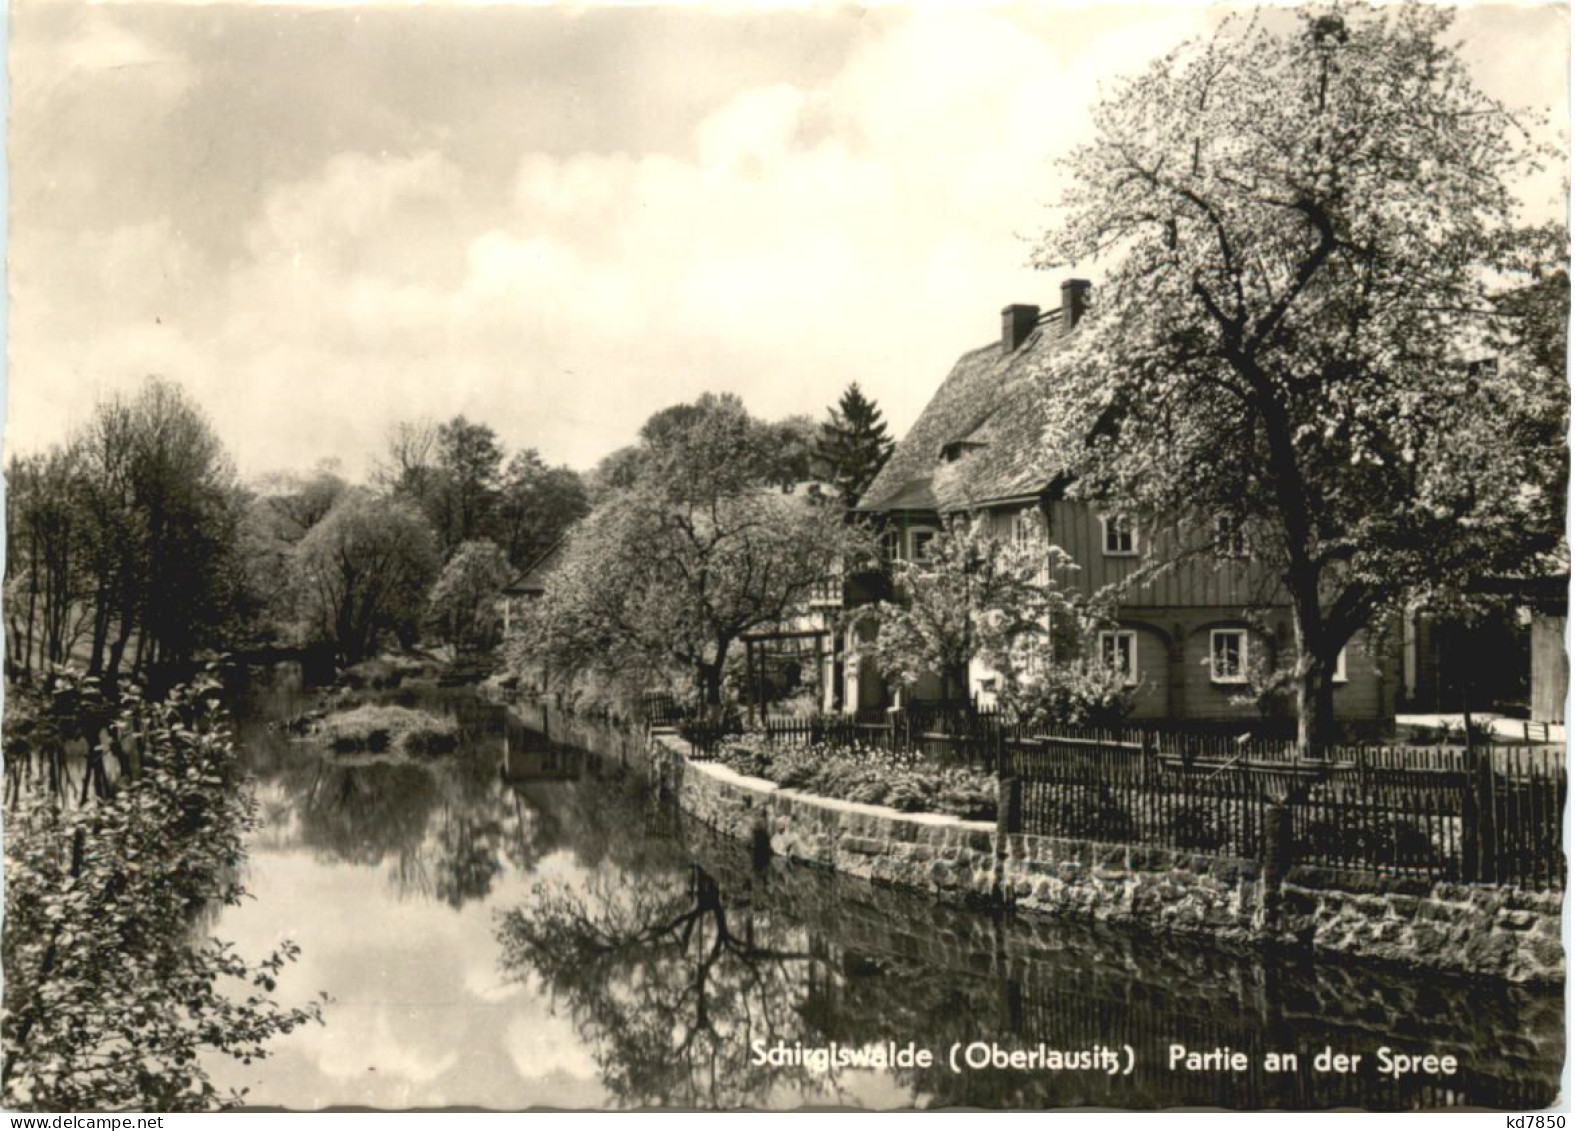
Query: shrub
x=897, y=779
x=376, y=729
x=115, y=999
x=378, y=674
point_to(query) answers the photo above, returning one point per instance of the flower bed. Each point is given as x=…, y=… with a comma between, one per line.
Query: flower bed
x=899, y=780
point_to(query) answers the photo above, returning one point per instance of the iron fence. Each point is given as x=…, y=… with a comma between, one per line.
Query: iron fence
x=1476, y=814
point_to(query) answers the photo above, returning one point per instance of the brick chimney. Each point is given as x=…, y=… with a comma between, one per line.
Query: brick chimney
x=1074, y=302
x=1017, y=322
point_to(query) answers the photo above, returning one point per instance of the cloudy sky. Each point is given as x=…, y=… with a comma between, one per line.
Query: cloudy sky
x=322, y=220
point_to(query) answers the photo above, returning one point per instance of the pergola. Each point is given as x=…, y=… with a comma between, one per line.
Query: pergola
x=758, y=648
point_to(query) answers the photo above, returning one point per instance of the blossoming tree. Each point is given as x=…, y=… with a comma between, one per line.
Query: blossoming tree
x=1307, y=221
x=698, y=545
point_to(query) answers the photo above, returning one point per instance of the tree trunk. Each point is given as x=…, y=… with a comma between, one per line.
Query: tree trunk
x=100, y=631
x=711, y=684
x=117, y=650
x=1315, y=726
x=1315, y=666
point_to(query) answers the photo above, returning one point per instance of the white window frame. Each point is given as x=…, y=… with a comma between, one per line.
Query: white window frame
x=915, y=553
x=1025, y=531
x=1112, y=524
x=1113, y=637
x=891, y=544
x=1340, y=674
x=1215, y=635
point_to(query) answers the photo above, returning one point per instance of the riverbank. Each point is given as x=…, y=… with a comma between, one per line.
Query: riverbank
x=1479, y=930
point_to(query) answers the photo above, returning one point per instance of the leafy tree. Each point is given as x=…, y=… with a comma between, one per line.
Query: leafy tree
x=409, y=466
x=536, y=506
x=668, y=572
x=464, y=602
x=1530, y=343
x=45, y=570
x=1306, y=219
x=103, y=454
x=976, y=596
x=126, y=539
x=796, y=450
x=451, y=472
x=300, y=502
x=362, y=573
x=109, y=996
x=469, y=463
x=282, y=508
x=188, y=505
x=617, y=469
x=853, y=445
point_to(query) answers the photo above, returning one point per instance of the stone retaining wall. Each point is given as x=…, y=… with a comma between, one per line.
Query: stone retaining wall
x=1498, y=932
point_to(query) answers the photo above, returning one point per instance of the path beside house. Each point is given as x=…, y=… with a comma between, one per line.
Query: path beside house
x=1501, y=726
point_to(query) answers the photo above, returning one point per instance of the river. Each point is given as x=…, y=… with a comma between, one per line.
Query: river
x=524, y=924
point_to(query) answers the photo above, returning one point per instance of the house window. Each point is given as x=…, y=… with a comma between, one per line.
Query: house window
x=921, y=540
x=1229, y=541
x=1228, y=655
x=1025, y=528
x=1120, y=535
x=891, y=545
x=1339, y=668
x=1118, y=650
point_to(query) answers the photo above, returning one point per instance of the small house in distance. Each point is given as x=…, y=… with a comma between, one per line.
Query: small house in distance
x=1188, y=637
x=531, y=583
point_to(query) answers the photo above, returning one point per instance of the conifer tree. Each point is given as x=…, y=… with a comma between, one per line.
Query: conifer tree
x=853, y=444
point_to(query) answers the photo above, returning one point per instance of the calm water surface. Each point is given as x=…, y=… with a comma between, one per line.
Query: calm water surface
x=525, y=924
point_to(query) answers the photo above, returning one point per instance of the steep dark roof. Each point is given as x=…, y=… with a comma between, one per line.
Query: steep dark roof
x=981, y=437
x=534, y=578
x=915, y=495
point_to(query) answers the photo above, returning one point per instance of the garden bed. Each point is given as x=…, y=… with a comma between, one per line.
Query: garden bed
x=900, y=780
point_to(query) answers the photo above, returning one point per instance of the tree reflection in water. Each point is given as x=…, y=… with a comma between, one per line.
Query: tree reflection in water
x=670, y=987
x=444, y=830
x=449, y=828
x=670, y=977
x=672, y=954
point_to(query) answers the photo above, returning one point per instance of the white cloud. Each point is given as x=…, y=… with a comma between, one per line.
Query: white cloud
x=103, y=49
x=866, y=226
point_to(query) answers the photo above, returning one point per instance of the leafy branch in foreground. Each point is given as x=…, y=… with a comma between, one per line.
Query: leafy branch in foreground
x=111, y=996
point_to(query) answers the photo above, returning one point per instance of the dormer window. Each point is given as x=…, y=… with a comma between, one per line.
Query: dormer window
x=956, y=449
x=1120, y=535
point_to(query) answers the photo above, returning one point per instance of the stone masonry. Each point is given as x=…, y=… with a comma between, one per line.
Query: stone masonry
x=1470, y=929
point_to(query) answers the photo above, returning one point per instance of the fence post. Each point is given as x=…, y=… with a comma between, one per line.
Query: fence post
x=1478, y=815
x=1278, y=849
x=1008, y=809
